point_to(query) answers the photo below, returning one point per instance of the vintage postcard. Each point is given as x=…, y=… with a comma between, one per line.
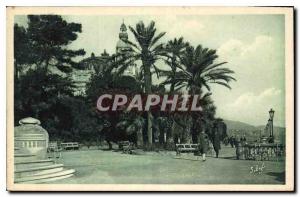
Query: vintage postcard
x=150, y=99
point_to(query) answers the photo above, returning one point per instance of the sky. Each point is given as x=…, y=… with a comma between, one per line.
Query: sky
x=253, y=46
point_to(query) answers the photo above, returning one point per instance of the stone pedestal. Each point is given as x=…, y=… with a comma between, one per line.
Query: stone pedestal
x=30, y=155
x=31, y=138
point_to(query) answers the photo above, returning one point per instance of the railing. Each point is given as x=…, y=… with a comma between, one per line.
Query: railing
x=54, y=151
x=259, y=151
x=70, y=145
x=126, y=146
x=180, y=148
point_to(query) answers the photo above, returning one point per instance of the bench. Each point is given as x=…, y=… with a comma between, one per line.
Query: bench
x=54, y=150
x=192, y=148
x=70, y=145
x=126, y=146
x=52, y=146
x=180, y=148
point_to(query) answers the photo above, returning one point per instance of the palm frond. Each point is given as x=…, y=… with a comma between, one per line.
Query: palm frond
x=132, y=44
x=223, y=84
x=212, y=66
x=157, y=38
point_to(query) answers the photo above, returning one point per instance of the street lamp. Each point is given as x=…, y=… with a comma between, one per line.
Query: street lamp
x=271, y=113
x=270, y=126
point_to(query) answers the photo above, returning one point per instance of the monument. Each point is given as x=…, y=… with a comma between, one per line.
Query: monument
x=30, y=155
x=31, y=138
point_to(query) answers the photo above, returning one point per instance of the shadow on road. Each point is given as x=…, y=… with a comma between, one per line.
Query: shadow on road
x=230, y=158
x=186, y=159
x=279, y=176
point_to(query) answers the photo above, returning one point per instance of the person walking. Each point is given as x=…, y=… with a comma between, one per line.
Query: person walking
x=231, y=141
x=238, y=149
x=216, y=140
x=203, y=144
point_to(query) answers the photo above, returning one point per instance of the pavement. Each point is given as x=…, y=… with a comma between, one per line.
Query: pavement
x=164, y=167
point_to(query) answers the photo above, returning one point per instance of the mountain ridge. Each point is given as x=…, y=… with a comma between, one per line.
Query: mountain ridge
x=241, y=128
x=232, y=124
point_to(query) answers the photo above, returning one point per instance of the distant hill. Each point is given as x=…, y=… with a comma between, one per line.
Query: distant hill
x=252, y=132
x=236, y=125
x=279, y=132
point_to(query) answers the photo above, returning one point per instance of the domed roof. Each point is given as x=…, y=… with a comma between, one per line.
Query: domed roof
x=122, y=44
x=123, y=27
x=29, y=120
x=29, y=126
x=123, y=36
x=123, y=32
x=29, y=129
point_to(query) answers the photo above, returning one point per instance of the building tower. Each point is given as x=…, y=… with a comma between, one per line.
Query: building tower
x=123, y=48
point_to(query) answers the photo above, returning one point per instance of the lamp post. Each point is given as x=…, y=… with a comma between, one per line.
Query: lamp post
x=271, y=113
x=270, y=127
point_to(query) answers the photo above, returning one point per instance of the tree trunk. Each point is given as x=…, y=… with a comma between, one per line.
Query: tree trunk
x=149, y=127
x=98, y=142
x=188, y=135
x=109, y=145
x=172, y=88
x=140, y=141
x=194, y=128
x=173, y=73
x=47, y=64
x=147, y=83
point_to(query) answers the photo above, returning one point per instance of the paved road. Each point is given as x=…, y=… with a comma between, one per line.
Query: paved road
x=99, y=167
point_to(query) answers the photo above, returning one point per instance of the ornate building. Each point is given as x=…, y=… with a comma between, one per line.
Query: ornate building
x=124, y=48
x=96, y=64
x=89, y=66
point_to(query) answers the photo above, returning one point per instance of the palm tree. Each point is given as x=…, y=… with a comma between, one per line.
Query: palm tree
x=133, y=125
x=200, y=70
x=203, y=120
x=176, y=49
x=148, y=50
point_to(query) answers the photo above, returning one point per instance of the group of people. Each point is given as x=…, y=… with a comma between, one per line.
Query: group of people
x=234, y=141
x=216, y=142
x=204, y=144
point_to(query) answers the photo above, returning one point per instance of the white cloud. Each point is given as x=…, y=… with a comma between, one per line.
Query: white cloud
x=253, y=107
x=260, y=86
x=230, y=48
x=250, y=99
x=260, y=42
x=176, y=27
x=236, y=48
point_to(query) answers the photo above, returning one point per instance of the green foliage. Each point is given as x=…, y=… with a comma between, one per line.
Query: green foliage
x=132, y=124
x=22, y=49
x=38, y=90
x=44, y=42
x=39, y=93
x=85, y=126
x=199, y=70
x=175, y=48
x=103, y=83
x=148, y=50
x=49, y=96
x=121, y=125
